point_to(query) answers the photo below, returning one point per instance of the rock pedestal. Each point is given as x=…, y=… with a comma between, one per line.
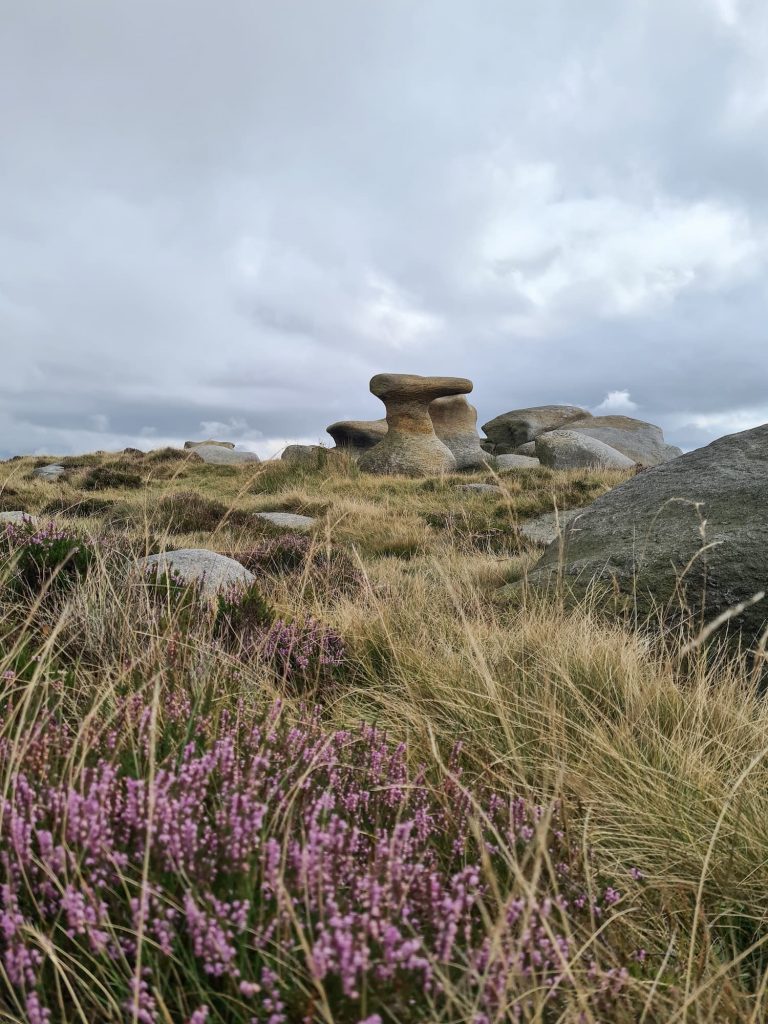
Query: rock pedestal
x=357, y=436
x=220, y=444
x=455, y=423
x=411, y=447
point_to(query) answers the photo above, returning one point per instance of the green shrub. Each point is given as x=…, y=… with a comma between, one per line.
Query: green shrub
x=190, y=512
x=79, y=508
x=50, y=554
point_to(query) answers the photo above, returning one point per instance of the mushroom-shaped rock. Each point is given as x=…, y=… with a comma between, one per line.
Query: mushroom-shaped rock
x=216, y=455
x=357, y=436
x=455, y=423
x=221, y=444
x=411, y=446
x=212, y=571
x=640, y=441
x=508, y=431
x=567, y=449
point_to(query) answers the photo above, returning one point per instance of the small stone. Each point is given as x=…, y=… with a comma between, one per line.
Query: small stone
x=287, y=520
x=480, y=488
x=310, y=455
x=18, y=517
x=50, y=473
x=212, y=571
x=516, y=462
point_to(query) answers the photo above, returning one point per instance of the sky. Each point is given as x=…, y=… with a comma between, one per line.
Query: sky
x=221, y=219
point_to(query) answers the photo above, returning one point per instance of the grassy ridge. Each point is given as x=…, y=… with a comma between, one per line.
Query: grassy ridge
x=656, y=763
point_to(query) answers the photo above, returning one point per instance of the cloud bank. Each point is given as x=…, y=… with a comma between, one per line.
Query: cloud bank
x=224, y=218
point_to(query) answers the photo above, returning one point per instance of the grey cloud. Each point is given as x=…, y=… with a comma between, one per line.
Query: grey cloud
x=238, y=213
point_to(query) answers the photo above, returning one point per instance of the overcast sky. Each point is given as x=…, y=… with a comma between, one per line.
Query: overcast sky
x=223, y=217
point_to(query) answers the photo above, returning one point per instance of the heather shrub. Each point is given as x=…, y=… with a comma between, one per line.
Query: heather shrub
x=303, y=653
x=241, y=611
x=79, y=508
x=45, y=555
x=190, y=512
x=111, y=476
x=283, y=867
x=297, y=554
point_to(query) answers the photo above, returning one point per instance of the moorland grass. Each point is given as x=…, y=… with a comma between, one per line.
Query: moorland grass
x=653, y=763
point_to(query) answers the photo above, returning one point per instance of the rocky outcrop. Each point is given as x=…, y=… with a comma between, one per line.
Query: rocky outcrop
x=643, y=536
x=411, y=447
x=508, y=431
x=640, y=441
x=196, y=444
x=211, y=571
x=567, y=449
x=217, y=455
x=357, y=436
x=455, y=423
x=549, y=527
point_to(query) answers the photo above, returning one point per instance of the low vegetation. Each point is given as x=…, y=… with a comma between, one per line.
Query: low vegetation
x=361, y=790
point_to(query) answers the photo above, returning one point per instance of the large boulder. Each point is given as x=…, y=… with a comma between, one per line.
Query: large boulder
x=357, y=436
x=410, y=446
x=455, y=423
x=567, y=449
x=221, y=444
x=643, y=535
x=211, y=571
x=640, y=441
x=508, y=431
x=217, y=455
x=515, y=462
x=549, y=527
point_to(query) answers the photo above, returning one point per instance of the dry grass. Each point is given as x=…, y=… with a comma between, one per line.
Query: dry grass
x=660, y=762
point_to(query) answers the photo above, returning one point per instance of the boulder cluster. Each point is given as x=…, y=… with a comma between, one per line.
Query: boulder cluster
x=430, y=428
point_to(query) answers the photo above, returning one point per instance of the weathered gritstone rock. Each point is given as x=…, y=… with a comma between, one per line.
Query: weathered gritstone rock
x=515, y=462
x=357, y=436
x=480, y=488
x=212, y=571
x=455, y=423
x=287, y=520
x=549, y=527
x=411, y=447
x=640, y=441
x=219, y=456
x=310, y=455
x=529, y=449
x=18, y=517
x=567, y=449
x=641, y=536
x=221, y=444
x=50, y=473
x=512, y=429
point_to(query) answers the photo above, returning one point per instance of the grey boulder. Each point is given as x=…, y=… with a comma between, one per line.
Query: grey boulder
x=568, y=449
x=516, y=462
x=287, y=520
x=310, y=455
x=642, y=536
x=217, y=455
x=640, y=441
x=211, y=571
x=508, y=431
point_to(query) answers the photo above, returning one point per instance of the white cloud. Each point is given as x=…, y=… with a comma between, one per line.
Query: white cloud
x=618, y=402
